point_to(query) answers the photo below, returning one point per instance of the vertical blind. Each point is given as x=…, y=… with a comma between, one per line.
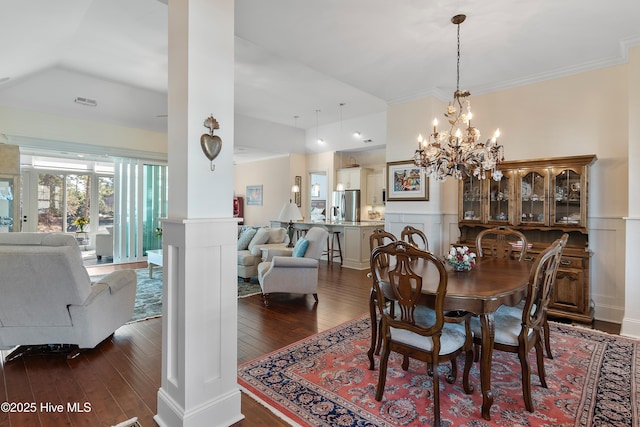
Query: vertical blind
x=140, y=199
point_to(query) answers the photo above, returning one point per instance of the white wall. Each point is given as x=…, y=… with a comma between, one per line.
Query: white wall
x=275, y=177
x=631, y=323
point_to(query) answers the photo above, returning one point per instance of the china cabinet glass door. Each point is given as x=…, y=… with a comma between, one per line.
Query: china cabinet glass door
x=568, y=198
x=533, y=198
x=499, y=199
x=471, y=202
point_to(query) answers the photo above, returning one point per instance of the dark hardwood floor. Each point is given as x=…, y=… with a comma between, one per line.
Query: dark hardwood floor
x=119, y=379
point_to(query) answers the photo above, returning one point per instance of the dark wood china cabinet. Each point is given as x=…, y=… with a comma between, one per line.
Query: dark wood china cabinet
x=543, y=198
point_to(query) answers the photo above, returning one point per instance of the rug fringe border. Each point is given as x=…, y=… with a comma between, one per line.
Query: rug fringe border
x=273, y=410
x=596, y=331
x=143, y=319
x=249, y=295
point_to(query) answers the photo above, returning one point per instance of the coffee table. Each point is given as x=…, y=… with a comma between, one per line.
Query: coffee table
x=154, y=259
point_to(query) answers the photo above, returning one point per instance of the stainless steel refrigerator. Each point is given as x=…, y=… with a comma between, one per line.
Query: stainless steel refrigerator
x=346, y=206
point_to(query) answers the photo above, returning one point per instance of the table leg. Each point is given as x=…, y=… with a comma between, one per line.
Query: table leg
x=488, y=336
x=150, y=270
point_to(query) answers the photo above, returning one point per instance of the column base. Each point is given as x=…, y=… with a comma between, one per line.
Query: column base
x=222, y=412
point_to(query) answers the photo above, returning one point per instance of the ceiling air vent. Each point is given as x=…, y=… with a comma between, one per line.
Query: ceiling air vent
x=86, y=101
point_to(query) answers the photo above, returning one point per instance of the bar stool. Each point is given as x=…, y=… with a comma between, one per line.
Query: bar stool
x=332, y=252
x=301, y=231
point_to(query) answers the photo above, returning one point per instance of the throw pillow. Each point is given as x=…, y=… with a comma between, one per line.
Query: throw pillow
x=277, y=235
x=245, y=237
x=300, y=248
x=261, y=237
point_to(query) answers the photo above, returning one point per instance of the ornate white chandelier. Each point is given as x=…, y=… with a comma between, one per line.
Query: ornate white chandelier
x=458, y=153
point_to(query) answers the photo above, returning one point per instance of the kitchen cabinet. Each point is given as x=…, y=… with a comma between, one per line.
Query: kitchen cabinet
x=352, y=178
x=542, y=198
x=356, y=251
x=375, y=186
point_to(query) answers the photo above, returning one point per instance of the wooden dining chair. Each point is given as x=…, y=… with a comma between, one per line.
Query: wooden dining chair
x=519, y=329
x=501, y=242
x=431, y=338
x=501, y=245
x=415, y=236
x=379, y=237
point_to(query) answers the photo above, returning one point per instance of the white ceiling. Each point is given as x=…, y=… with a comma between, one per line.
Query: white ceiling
x=294, y=57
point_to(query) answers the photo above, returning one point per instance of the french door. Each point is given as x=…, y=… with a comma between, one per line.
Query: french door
x=61, y=199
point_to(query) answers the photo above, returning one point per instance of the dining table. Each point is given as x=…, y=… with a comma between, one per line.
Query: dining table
x=492, y=282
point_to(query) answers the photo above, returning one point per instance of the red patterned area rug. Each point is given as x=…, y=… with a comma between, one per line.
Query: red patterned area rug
x=324, y=380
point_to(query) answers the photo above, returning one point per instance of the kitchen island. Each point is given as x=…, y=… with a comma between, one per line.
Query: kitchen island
x=354, y=238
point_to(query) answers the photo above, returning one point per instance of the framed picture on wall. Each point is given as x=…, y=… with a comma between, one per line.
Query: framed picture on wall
x=254, y=194
x=298, y=195
x=406, y=181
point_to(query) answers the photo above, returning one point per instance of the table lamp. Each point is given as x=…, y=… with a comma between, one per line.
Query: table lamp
x=289, y=213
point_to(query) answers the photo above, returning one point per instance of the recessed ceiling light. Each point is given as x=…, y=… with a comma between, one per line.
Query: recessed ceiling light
x=357, y=134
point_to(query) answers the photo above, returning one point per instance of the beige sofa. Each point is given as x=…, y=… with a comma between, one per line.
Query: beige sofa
x=48, y=297
x=251, y=241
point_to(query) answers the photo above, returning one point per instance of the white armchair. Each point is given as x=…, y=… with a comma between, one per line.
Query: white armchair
x=294, y=274
x=104, y=243
x=48, y=297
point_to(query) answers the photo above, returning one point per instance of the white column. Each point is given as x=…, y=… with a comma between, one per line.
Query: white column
x=199, y=332
x=631, y=321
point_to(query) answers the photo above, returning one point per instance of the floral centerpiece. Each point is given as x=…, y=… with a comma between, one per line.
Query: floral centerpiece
x=460, y=258
x=80, y=222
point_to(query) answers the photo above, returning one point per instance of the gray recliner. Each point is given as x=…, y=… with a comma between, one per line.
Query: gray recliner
x=47, y=296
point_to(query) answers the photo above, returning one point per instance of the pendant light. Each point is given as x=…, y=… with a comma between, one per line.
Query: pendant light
x=339, y=185
x=295, y=188
x=315, y=188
